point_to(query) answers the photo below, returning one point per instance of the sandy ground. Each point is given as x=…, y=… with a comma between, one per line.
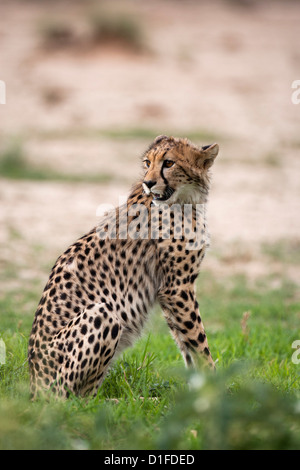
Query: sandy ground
x=219, y=67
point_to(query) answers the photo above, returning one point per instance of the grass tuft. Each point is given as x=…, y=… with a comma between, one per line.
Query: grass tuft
x=149, y=401
x=56, y=33
x=120, y=27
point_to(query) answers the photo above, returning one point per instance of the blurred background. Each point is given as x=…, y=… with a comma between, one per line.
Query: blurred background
x=89, y=84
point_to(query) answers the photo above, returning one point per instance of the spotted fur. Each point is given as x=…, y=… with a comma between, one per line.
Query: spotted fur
x=101, y=289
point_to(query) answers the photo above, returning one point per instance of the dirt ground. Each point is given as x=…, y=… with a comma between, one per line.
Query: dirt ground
x=218, y=70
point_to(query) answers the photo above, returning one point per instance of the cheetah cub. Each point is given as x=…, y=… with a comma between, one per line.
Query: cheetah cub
x=102, y=287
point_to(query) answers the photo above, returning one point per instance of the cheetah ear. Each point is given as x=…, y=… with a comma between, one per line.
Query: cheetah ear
x=156, y=141
x=159, y=138
x=209, y=153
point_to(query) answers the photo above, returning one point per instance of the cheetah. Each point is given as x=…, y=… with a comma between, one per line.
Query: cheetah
x=102, y=288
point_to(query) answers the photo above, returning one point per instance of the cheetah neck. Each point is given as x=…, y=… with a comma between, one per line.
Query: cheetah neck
x=188, y=194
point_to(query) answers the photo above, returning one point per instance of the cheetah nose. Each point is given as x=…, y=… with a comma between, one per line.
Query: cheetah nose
x=150, y=183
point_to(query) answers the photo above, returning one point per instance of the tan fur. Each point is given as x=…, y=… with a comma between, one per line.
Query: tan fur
x=102, y=287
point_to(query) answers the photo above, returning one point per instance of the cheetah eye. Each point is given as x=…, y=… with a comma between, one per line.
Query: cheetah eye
x=168, y=163
x=147, y=163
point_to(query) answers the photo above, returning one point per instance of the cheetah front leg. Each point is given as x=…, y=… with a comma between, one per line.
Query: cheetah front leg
x=183, y=317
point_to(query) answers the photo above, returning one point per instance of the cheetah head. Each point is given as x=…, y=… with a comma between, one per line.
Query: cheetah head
x=176, y=171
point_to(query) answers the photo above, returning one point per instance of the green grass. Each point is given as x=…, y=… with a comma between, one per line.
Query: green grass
x=126, y=133
x=101, y=27
x=110, y=26
x=284, y=251
x=15, y=165
x=252, y=402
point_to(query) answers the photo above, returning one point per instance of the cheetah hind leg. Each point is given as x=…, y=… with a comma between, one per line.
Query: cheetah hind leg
x=84, y=349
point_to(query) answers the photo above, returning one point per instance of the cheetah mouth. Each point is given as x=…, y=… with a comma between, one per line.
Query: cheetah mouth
x=165, y=196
